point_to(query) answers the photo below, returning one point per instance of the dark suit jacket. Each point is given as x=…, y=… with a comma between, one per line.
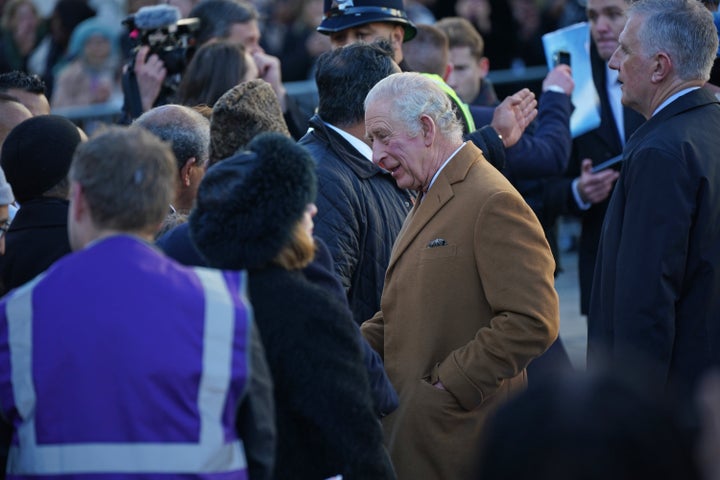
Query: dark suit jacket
x=36, y=239
x=656, y=290
x=599, y=145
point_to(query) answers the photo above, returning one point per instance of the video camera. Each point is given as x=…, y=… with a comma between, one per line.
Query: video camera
x=168, y=36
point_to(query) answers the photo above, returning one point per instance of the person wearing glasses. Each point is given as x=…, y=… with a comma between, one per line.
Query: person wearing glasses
x=6, y=199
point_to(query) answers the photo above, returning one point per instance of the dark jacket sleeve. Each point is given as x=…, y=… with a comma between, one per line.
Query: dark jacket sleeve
x=321, y=272
x=544, y=148
x=384, y=396
x=488, y=140
x=255, y=421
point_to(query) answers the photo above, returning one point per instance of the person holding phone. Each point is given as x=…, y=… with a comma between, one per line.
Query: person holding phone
x=583, y=191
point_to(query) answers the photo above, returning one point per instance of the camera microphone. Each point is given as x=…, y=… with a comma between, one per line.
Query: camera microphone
x=156, y=17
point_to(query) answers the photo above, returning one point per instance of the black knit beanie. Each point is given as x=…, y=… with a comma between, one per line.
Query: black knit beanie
x=37, y=154
x=248, y=205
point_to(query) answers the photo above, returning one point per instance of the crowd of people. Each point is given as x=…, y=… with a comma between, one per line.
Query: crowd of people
x=224, y=285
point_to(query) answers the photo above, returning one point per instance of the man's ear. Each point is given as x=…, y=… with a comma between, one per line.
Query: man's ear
x=663, y=67
x=429, y=129
x=448, y=70
x=397, y=36
x=484, y=65
x=78, y=204
x=185, y=171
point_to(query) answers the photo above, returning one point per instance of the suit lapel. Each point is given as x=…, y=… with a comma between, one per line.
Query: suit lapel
x=432, y=202
x=695, y=99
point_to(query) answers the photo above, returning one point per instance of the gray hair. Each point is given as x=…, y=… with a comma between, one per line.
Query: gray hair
x=412, y=95
x=187, y=131
x=128, y=178
x=684, y=29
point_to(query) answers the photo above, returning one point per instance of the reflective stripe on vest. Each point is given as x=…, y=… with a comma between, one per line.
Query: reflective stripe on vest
x=465, y=116
x=210, y=455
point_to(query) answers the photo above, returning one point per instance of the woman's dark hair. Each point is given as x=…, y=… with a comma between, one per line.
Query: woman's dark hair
x=214, y=69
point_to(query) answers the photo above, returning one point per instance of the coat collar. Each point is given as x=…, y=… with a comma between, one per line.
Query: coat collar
x=360, y=165
x=428, y=205
x=690, y=101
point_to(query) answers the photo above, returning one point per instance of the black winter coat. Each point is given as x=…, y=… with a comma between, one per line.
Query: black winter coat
x=360, y=212
x=326, y=425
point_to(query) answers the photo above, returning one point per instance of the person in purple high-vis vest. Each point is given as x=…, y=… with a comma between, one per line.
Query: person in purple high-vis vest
x=118, y=362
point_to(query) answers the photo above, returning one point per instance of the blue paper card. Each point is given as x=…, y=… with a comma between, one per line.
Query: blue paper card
x=575, y=39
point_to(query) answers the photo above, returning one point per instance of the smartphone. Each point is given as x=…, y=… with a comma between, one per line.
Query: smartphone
x=607, y=164
x=561, y=57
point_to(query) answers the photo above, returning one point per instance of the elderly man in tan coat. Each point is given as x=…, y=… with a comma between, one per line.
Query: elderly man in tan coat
x=468, y=299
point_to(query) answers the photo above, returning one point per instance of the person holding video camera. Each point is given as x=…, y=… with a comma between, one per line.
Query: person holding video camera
x=209, y=21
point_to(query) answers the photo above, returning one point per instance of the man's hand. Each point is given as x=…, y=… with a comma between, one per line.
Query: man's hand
x=560, y=76
x=595, y=187
x=150, y=74
x=269, y=70
x=513, y=115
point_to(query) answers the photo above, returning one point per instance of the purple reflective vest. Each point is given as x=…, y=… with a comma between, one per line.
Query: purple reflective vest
x=119, y=362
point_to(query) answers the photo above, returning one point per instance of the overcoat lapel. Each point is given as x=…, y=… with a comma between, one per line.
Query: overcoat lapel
x=428, y=205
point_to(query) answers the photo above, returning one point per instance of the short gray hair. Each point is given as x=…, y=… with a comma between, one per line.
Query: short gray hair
x=412, y=95
x=186, y=130
x=684, y=29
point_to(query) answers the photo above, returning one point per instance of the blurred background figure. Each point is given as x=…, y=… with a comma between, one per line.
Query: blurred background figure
x=93, y=72
x=22, y=29
x=290, y=35
x=27, y=89
x=591, y=427
x=53, y=48
x=215, y=68
x=185, y=6
x=470, y=66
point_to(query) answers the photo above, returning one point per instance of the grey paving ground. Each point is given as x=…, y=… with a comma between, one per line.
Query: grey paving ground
x=573, y=328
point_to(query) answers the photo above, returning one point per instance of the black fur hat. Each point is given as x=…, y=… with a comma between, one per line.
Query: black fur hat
x=248, y=205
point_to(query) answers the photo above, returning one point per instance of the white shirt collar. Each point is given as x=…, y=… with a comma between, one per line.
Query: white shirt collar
x=443, y=165
x=614, y=92
x=672, y=98
x=359, y=145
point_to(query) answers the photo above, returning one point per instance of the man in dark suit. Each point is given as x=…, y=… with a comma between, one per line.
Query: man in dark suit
x=581, y=191
x=656, y=291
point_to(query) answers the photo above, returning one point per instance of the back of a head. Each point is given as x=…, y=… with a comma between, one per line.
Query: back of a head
x=128, y=177
x=587, y=426
x=409, y=95
x=684, y=29
x=19, y=80
x=37, y=153
x=249, y=205
x=429, y=51
x=344, y=14
x=344, y=77
x=461, y=33
x=218, y=16
x=214, y=69
x=187, y=131
x=242, y=113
